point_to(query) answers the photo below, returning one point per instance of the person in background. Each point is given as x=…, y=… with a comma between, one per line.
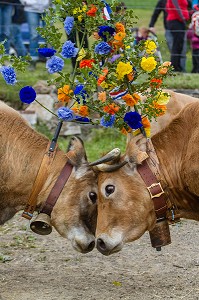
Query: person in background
x=6, y=8
x=194, y=41
x=34, y=11
x=177, y=16
x=161, y=8
x=142, y=33
x=18, y=18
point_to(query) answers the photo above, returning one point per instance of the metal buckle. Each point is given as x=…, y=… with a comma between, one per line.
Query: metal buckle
x=153, y=185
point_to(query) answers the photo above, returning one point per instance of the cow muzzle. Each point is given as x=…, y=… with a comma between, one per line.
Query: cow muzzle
x=108, y=246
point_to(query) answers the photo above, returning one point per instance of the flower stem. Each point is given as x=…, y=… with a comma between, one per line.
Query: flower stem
x=46, y=108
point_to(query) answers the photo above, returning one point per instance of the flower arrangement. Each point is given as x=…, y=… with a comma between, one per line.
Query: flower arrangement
x=114, y=83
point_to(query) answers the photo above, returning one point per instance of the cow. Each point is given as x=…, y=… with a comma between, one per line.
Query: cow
x=176, y=103
x=21, y=153
x=125, y=207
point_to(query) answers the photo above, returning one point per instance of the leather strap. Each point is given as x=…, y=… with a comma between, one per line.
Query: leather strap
x=39, y=181
x=57, y=189
x=155, y=190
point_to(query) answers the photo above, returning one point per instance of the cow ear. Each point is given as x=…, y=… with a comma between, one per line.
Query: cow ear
x=135, y=150
x=76, y=152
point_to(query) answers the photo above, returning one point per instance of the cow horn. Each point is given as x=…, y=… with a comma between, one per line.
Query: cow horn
x=42, y=224
x=115, y=153
x=110, y=168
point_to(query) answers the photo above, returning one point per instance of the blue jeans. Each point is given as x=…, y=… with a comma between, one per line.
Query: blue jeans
x=17, y=40
x=5, y=25
x=33, y=20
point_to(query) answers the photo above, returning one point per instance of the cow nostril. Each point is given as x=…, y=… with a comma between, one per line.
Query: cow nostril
x=101, y=245
x=91, y=246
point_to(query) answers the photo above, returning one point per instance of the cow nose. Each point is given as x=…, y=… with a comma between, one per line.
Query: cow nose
x=85, y=248
x=101, y=247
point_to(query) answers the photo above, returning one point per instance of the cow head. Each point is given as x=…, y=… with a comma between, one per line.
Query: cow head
x=125, y=209
x=75, y=213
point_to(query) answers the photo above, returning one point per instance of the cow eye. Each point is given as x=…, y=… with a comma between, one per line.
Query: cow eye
x=93, y=197
x=109, y=189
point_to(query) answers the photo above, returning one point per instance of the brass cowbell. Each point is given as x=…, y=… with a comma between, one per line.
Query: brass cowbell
x=42, y=224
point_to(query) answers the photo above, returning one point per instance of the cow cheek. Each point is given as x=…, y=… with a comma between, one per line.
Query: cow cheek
x=64, y=217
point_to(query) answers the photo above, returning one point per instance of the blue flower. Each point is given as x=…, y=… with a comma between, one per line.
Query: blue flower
x=69, y=50
x=82, y=119
x=68, y=24
x=79, y=90
x=27, y=94
x=107, y=120
x=54, y=64
x=133, y=119
x=46, y=52
x=65, y=113
x=9, y=75
x=105, y=31
x=102, y=48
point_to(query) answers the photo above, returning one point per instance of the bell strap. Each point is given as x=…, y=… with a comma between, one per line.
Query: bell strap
x=57, y=189
x=41, y=178
x=155, y=189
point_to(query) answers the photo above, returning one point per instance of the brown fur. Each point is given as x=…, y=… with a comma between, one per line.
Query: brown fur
x=128, y=212
x=21, y=152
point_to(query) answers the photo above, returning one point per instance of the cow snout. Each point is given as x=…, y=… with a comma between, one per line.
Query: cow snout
x=83, y=246
x=107, y=248
x=86, y=248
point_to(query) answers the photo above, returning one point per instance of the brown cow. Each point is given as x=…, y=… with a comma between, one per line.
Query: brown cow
x=125, y=208
x=21, y=152
x=176, y=103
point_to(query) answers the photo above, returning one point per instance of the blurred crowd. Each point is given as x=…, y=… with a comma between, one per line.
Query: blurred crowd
x=177, y=16
x=13, y=15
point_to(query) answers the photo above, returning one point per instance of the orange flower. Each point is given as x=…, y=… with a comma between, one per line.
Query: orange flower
x=102, y=77
x=102, y=96
x=145, y=122
x=162, y=70
x=130, y=101
x=63, y=93
x=111, y=109
x=119, y=27
x=130, y=76
x=75, y=109
x=155, y=82
x=86, y=63
x=92, y=11
x=119, y=36
x=166, y=64
x=125, y=131
x=161, y=109
x=83, y=111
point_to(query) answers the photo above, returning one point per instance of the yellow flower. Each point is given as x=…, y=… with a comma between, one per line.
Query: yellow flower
x=80, y=18
x=104, y=85
x=81, y=54
x=148, y=64
x=163, y=98
x=150, y=46
x=148, y=132
x=123, y=69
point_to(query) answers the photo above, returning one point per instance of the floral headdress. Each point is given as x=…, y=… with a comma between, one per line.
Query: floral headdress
x=115, y=83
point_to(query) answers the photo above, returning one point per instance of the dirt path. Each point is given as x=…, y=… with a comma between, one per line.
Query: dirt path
x=47, y=268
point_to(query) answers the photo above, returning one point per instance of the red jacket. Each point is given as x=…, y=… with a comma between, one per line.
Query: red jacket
x=174, y=14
